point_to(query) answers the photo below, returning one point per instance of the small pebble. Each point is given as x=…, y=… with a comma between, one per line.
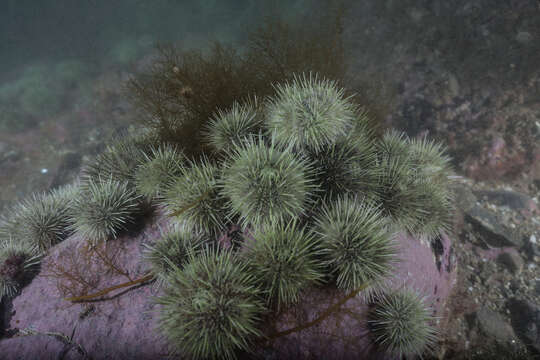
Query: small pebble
x=533, y=239
x=524, y=37
x=44, y=171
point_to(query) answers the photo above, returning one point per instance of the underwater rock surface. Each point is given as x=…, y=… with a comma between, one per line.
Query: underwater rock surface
x=120, y=327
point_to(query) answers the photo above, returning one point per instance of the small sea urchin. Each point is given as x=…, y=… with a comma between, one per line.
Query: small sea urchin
x=285, y=260
x=266, y=183
x=231, y=127
x=172, y=248
x=157, y=170
x=414, y=184
x=45, y=219
x=355, y=242
x=308, y=113
x=104, y=208
x=211, y=307
x=345, y=167
x=401, y=324
x=195, y=199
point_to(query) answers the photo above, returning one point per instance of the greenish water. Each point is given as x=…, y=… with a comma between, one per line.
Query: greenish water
x=61, y=59
x=96, y=32
x=47, y=47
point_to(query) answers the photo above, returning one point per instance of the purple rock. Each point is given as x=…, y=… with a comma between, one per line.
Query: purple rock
x=122, y=327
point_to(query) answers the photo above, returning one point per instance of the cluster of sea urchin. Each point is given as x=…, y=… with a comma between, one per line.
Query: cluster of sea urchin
x=309, y=180
x=317, y=193
x=120, y=160
x=98, y=209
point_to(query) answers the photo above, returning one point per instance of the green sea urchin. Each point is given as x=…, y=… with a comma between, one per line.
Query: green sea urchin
x=285, y=260
x=18, y=262
x=414, y=184
x=401, y=324
x=399, y=194
x=345, y=167
x=195, y=198
x=172, y=248
x=434, y=175
x=104, y=208
x=45, y=219
x=308, y=113
x=266, y=183
x=429, y=158
x=157, y=170
x=355, y=242
x=232, y=126
x=211, y=307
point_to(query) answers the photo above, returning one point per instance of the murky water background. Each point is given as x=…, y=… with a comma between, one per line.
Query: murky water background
x=64, y=64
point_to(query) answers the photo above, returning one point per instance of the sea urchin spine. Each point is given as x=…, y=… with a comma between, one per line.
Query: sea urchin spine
x=211, y=307
x=401, y=324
